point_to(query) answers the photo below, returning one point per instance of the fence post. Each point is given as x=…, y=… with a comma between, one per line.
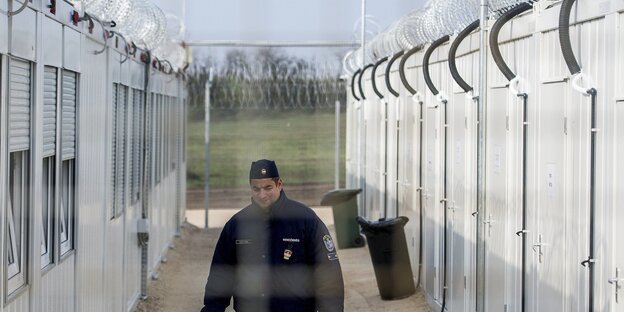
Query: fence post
x=481, y=138
x=207, y=147
x=337, y=164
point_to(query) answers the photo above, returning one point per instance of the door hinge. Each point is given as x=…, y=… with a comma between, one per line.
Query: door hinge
x=538, y=247
x=616, y=282
x=489, y=222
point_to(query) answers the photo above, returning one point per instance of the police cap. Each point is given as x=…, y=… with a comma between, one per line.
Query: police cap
x=263, y=169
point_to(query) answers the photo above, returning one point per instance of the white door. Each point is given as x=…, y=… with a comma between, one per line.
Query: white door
x=616, y=277
x=494, y=218
x=392, y=156
x=431, y=192
x=549, y=240
x=416, y=145
x=457, y=205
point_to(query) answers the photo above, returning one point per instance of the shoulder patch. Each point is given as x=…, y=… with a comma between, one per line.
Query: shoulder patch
x=329, y=244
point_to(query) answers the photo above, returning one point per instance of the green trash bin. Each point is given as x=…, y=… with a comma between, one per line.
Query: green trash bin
x=391, y=262
x=345, y=210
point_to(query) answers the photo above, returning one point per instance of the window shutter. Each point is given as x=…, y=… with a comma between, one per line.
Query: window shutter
x=49, y=110
x=68, y=127
x=19, y=105
x=131, y=112
x=137, y=125
x=114, y=149
x=121, y=159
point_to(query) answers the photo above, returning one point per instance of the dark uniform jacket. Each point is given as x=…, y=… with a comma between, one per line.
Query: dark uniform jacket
x=282, y=259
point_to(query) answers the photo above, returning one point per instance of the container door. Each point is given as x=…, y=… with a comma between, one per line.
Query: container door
x=431, y=163
x=369, y=156
x=494, y=218
x=616, y=278
x=549, y=241
x=383, y=154
x=457, y=205
x=415, y=145
x=392, y=156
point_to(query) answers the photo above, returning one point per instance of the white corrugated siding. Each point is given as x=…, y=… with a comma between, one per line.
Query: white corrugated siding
x=58, y=286
x=557, y=164
x=103, y=274
x=92, y=182
x=19, y=104
x=49, y=110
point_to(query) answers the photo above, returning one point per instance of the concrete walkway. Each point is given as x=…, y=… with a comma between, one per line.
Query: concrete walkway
x=182, y=278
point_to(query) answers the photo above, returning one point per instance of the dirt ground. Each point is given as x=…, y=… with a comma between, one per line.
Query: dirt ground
x=181, y=280
x=238, y=197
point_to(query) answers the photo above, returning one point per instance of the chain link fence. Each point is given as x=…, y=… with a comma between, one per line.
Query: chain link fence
x=266, y=104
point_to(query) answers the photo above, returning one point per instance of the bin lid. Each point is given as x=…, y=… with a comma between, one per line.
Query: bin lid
x=382, y=225
x=338, y=196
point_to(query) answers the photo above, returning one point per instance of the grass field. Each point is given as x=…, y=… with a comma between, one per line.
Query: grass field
x=301, y=143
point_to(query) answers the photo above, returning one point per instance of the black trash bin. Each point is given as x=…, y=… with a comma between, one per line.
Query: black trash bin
x=344, y=208
x=388, y=250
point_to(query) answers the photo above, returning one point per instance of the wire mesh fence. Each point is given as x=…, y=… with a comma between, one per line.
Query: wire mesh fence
x=266, y=104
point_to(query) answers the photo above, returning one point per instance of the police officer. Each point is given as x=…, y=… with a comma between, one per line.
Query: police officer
x=274, y=255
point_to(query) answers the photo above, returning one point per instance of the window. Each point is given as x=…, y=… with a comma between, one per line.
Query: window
x=47, y=211
x=174, y=134
x=167, y=163
x=67, y=187
x=118, y=166
x=114, y=151
x=17, y=220
x=184, y=123
x=136, y=145
x=50, y=100
x=151, y=140
x=18, y=195
x=132, y=124
x=66, y=213
x=158, y=137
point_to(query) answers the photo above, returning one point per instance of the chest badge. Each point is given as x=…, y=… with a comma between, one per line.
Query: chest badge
x=329, y=244
x=287, y=254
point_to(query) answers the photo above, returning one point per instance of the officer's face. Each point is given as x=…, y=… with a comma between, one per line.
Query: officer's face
x=265, y=192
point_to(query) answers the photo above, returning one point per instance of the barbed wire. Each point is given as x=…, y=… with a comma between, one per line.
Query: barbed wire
x=270, y=81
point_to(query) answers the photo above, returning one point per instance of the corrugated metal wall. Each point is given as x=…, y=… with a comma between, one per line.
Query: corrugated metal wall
x=93, y=202
x=72, y=73
x=557, y=165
